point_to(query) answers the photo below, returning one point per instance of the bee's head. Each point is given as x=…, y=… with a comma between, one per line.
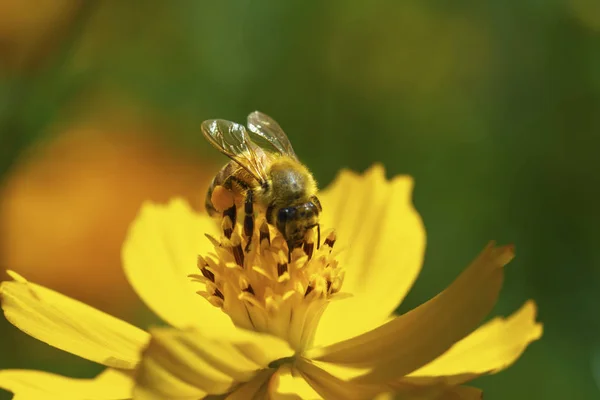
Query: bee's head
x=294, y=221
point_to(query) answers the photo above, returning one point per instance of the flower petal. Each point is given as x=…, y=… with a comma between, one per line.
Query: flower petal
x=28, y=384
x=288, y=384
x=434, y=393
x=190, y=364
x=437, y=393
x=489, y=349
x=382, y=240
x=160, y=251
x=253, y=389
x=71, y=325
x=431, y=389
x=385, y=396
x=329, y=386
x=410, y=341
x=426, y=388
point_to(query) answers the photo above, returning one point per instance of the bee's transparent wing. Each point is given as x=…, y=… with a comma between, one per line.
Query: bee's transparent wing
x=232, y=140
x=267, y=128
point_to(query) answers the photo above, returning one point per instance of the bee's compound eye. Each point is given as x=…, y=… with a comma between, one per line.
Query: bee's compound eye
x=285, y=214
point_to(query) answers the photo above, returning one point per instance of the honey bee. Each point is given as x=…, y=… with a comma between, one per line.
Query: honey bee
x=270, y=178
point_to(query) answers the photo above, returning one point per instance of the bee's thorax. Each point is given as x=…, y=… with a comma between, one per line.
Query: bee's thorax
x=290, y=183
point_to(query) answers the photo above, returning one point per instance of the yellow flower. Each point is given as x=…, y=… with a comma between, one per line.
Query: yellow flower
x=255, y=324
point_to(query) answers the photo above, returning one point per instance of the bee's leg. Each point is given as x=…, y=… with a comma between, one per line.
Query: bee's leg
x=231, y=212
x=318, y=236
x=249, y=217
x=290, y=249
x=293, y=246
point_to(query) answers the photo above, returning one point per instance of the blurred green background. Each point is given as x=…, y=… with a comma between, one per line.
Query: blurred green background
x=493, y=107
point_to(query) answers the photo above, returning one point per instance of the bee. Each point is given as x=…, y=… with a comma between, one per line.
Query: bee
x=269, y=178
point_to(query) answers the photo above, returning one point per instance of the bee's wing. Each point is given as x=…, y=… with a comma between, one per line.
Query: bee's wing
x=233, y=141
x=267, y=128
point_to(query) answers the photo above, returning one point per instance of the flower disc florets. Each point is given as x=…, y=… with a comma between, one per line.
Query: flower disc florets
x=264, y=287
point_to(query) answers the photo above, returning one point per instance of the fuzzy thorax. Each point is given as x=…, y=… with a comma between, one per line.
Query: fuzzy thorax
x=264, y=289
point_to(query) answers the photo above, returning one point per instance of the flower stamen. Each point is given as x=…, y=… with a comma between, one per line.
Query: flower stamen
x=309, y=289
x=262, y=285
x=229, y=215
x=205, y=269
x=330, y=240
x=264, y=233
x=282, y=269
x=227, y=226
x=236, y=248
x=309, y=244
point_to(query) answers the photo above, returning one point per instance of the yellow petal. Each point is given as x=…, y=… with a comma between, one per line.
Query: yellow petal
x=382, y=242
x=288, y=384
x=417, y=388
x=186, y=364
x=27, y=384
x=331, y=387
x=160, y=251
x=443, y=393
x=254, y=389
x=71, y=325
x=385, y=396
x=410, y=341
x=491, y=348
x=433, y=393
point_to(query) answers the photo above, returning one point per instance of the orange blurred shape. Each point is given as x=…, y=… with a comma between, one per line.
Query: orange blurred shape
x=31, y=29
x=67, y=204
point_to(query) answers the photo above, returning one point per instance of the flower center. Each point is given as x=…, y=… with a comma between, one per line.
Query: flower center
x=263, y=287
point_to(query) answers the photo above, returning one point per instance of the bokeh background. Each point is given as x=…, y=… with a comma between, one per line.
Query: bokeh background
x=493, y=107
